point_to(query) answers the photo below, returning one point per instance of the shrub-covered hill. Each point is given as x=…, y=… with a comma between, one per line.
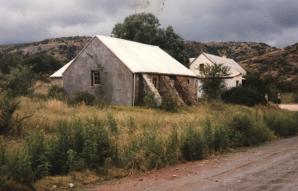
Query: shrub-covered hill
x=254, y=57
x=62, y=49
x=236, y=50
x=281, y=64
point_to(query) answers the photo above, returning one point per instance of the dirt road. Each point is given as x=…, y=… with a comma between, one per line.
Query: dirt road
x=273, y=166
x=290, y=107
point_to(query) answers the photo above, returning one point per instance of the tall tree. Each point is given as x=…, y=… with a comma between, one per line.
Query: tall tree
x=145, y=28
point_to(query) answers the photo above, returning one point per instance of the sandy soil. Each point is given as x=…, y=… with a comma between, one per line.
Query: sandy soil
x=290, y=107
x=273, y=166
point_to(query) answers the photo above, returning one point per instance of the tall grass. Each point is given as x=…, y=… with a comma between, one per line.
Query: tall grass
x=283, y=124
x=116, y=140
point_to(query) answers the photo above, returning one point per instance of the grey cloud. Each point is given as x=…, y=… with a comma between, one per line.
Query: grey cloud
x=271, y=21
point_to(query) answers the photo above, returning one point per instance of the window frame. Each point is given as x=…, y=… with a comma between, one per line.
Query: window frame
x=202, y=67
x=94, y=80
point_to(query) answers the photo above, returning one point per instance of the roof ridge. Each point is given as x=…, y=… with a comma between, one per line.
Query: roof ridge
x=130, y=41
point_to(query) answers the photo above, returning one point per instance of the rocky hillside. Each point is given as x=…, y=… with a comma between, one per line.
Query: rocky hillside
x=236, y=50
x=63, y=49
x=254, y=57
x=281, y=64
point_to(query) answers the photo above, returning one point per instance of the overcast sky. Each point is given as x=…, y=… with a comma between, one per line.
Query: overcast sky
x=271, y=21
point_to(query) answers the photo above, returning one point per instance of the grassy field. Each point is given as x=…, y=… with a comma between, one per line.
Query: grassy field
x=63, y=143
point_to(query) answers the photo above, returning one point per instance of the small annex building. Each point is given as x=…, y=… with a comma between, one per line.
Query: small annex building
x=234, y=79
x=123, y=72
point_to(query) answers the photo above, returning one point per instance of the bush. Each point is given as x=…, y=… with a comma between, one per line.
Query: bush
x=193, y=146
x=213, y=83
x=21, y=168
x=8, y=106
x=112, y=123
x=19, y=81
x=221, y=138
x=244, y=96
x=38, y=152
x=169, y=104
x=283, y=124
x=42, y=63
x=149, y=101
x=83, y=97
x=246, y=131
x=172, y=152
x=145, y=152
x=56, y=92
x=78, y=146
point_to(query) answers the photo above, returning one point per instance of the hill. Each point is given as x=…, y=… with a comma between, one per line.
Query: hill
x=237, y=50
x=281, y=64
x=254, y=57
x=63, y=49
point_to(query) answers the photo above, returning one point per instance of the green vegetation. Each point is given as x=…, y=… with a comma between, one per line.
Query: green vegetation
x=284, y=124
x=57, y=92
x=40, y=63
x=145, y=28
x=69, y=140
x=83, y=97
x=8, y=107
x=18, y=82
x=213, y=83
x=243, y=96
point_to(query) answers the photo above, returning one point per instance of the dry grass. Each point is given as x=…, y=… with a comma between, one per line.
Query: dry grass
x=47, y=113
x=132, y=122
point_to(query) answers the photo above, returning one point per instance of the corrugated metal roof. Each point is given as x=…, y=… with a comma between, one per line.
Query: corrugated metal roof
x=143, y=58
x=235, y=68
x=59, y=73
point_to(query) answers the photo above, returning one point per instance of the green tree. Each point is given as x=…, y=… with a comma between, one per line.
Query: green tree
x=145, y=28
x=213, y=82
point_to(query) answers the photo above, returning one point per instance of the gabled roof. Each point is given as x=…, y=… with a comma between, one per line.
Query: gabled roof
x=143, y=58
x=139, y=58
x=59, y=73
x=235, y=68
x=226, y=62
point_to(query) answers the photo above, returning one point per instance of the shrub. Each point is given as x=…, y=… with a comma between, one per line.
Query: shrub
x=193, y=146
x=19, y=81
x=172, y=153
x=221, y=138
x=79, y=145
x=112, y=123
x=38, y=152
x=213, y=83
x=149, y=101
x=283, y=124
x=21, y=170
x=83, y=97
x=145, y=151
x=244, y=96
x=4, y=169
x=58, y=148
x=42, y=63
x=169, y=104
x=8, y=107
x=57, y=92
x=245, y=131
